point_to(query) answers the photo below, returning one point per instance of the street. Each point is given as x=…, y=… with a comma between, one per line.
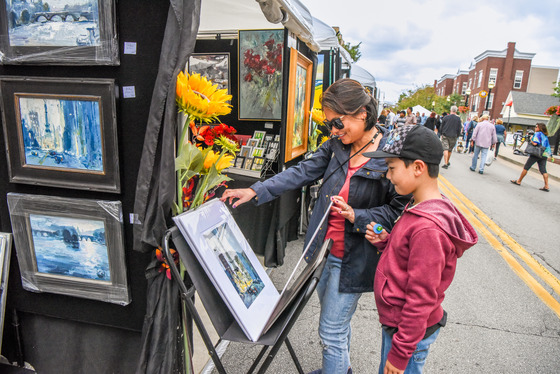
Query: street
x=503, y=305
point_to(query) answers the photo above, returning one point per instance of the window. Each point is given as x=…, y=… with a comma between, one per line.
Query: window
x=470, y=82
x=475, y=103
x=518, y=79
x=464, y=89
x=493, y=76
x=479, y=78
x=490, y=100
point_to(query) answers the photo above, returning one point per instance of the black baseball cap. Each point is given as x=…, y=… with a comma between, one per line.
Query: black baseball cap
x=414, y=142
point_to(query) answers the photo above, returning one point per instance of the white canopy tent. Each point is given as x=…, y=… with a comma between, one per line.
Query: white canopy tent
x=421, y=109
x=363, y=76
x=225, y=18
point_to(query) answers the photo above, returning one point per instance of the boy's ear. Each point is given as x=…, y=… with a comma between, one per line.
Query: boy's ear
x=419, y=167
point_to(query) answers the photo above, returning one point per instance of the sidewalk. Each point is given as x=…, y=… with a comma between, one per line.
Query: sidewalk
x=553, y=169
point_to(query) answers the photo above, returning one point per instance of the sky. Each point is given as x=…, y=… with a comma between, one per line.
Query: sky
x=407, y=44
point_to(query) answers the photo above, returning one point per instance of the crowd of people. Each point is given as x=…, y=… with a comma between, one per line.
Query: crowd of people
x=479, y=136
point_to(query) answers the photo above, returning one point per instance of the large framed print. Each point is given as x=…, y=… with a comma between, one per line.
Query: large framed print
x=231, y=264
x=299, y=96
x=5, y=253
x=260, y=74
x=71, y=247
x=213, y=66
x=61, y=132
x=58, y=32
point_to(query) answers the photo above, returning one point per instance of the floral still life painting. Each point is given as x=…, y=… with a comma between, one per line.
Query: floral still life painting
x=260, y=74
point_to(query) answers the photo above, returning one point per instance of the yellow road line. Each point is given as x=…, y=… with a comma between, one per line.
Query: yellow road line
x=535, y=286
x=541, y=271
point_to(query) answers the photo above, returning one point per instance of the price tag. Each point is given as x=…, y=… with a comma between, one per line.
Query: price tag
x=129, y=48
x=128, y=92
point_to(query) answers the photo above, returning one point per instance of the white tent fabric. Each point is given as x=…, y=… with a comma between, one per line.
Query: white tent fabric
x=225, y=17
x=324, y=35
x=362, y=75
x=421, y=109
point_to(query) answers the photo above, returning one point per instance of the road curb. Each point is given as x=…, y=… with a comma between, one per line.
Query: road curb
x=533, y=169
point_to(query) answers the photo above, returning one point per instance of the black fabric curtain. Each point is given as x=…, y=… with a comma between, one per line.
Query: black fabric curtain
x=155, y=191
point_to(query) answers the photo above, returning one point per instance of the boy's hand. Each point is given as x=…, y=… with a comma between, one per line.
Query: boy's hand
x=374, y=237
x=390, y=369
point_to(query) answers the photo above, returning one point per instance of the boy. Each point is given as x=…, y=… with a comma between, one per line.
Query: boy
x=420, y=255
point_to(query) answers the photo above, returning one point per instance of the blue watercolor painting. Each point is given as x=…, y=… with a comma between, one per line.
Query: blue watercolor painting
x=70, y=246
x=61, y=133
x=57, y=23
x=235, y=263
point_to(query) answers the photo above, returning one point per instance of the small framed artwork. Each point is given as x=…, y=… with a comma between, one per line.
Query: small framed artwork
x=214, y=66
x=258, y=152
x=231, y=264
x=258, y=163
x=253, y=142
x=239, y=160
x=272, y=154
x=299, y=96
x=71, y=247
x=246, y=151
x=248, y=163
x=5, y=253
x=69, y=32
x=260, y=74
x=260, y=135
x=61, y=132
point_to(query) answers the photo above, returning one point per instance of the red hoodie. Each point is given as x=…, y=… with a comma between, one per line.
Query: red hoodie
x=416, y=267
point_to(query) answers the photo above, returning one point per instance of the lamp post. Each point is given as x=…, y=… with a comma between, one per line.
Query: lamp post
x=433, y=105
x=490, y=86
x=467, y=93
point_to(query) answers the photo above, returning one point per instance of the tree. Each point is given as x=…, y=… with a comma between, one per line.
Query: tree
x=557, y=90
x=423, y=96
x=353, y=50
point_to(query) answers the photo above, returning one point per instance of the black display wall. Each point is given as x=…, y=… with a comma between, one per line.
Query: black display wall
x=47, y=319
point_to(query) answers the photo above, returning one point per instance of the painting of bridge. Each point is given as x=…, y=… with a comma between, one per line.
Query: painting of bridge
x=61, y=132
x=70, y=246
x=53, y=22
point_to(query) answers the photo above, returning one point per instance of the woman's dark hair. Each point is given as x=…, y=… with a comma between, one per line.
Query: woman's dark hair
x=347, y=96
x=542, y=127
x=433, y=115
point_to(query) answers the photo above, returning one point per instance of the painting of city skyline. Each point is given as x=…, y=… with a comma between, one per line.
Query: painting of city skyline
x=53, y=22
x=61, y=132
x=234, y=262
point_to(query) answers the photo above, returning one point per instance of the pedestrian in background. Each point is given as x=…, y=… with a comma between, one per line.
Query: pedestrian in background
x=390, y=119
x=501, y=134
x=431, y=121
x=450, y=130
x=410, y=117
x=470, y=129
x=540, y=138
x=400, y=120
x=418, y=118
x=483, y=137
x=382, y=119
x=423, y=119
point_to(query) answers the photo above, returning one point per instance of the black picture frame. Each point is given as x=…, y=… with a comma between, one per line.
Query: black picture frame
x=31, y=161
x=90, y=38
x=52, y=236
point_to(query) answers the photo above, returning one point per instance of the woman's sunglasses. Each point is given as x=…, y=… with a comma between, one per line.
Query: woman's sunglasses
x=336, y=123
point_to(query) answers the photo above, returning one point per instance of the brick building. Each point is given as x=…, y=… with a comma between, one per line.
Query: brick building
x=491, y=77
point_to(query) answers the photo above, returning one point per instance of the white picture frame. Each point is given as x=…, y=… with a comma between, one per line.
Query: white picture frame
x=231, y=264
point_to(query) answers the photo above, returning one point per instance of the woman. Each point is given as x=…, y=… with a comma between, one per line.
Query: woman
x=382, y=118
x=500, y=133
x=360, y=193
x=540, y=138
x=431, y=121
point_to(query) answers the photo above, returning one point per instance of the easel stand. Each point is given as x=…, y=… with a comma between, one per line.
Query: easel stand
x=222, y=319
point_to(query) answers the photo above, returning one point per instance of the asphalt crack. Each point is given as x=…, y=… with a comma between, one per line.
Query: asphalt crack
x=541, y=335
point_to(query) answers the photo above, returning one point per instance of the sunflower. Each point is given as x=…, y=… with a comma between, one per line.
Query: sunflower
x=200, y=99
x=318, y=116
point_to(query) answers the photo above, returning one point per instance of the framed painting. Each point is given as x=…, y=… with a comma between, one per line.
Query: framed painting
x=299, y=97
x=231, y=264
x=61, y=132
x=5, y=254
x=60, y=32
x=260, y=74
x=71, y=247
x=213, y=66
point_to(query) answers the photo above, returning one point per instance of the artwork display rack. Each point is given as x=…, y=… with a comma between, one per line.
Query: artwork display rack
x=223, y=321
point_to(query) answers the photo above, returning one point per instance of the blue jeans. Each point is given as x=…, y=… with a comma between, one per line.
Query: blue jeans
x=417, y=360
x=337, y=310
x=483, y=153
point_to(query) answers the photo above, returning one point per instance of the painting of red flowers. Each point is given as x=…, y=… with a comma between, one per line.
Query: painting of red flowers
x=260, y=74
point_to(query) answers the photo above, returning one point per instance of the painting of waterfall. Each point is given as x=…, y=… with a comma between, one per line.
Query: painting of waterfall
x=61, y=132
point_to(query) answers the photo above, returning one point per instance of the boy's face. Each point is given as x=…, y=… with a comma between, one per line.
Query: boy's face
x=401, y=176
